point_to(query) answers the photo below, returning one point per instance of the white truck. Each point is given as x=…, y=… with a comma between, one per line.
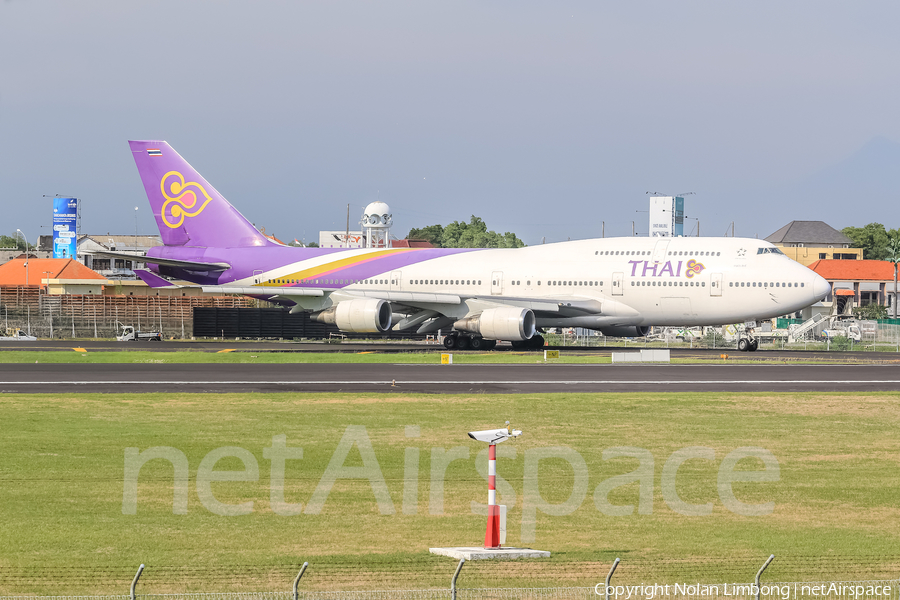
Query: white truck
x=17, y=335
x=852, y=332
x=129, y=334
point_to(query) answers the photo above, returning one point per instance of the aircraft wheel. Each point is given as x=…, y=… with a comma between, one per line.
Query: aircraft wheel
x=463, y=342
x=477, y=343
x=536, y=341
x=743, y=345
x=489, y=344
x=451, y=341
x=518, y=344
x=754, y=345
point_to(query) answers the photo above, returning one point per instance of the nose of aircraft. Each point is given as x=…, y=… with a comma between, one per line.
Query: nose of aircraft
x=821, y=288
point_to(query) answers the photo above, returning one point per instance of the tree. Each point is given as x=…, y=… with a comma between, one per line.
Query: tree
x=432, y=234
x=873, y=239
x=12, y=241
x=870, y=312
x=473, y=234
x=893, y=255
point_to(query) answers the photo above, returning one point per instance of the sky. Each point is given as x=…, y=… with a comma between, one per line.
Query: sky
x=549, y=119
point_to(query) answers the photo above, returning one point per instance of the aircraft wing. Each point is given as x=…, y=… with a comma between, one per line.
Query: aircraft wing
x=429, y=312
x=562, y=306
x=168, y=262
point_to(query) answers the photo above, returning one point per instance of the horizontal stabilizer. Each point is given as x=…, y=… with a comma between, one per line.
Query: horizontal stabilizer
x=261, y=290
x=153, y=280
x=192, y=265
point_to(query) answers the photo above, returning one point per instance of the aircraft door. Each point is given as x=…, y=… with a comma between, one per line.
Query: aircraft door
x=256, y=276
x=715, y=285
x=659, y=251
x=395, y=281
x=617, y=280
x=496, y=283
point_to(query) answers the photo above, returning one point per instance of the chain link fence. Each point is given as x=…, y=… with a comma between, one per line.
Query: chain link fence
x=633, y=587
x=820, y=590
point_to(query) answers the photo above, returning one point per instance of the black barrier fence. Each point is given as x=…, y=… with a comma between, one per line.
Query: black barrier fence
x=273, y=323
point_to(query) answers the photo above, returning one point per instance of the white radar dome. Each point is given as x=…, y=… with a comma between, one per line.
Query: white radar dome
x=377, y=214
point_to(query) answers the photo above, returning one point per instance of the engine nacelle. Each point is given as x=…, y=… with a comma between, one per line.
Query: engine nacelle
x=368, y=315
x=635, y=331
x=506, y=323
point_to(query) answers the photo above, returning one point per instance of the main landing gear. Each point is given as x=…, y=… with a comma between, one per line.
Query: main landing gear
x=464, y=341
x=749, y=343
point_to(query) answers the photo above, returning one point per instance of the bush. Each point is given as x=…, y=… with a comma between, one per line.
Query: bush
x=841, y=343
x=713, y=339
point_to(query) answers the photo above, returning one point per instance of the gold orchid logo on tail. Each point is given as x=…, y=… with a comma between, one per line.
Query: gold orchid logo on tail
x=181, y=199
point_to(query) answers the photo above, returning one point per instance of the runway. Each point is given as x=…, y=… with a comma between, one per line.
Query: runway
x=437, y=379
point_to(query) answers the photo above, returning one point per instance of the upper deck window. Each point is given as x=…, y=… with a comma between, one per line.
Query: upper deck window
x=771, y=250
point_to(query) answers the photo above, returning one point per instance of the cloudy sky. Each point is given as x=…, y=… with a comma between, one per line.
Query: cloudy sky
x=544, y=118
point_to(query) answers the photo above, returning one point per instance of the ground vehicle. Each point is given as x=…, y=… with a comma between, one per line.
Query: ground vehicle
x=129, y=334
x=850, y=331
x=17, y=335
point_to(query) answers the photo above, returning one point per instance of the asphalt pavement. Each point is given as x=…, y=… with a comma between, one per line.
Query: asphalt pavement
x=456, y=379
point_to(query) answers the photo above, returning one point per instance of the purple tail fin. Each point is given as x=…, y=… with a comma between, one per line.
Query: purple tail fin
x=188, y=210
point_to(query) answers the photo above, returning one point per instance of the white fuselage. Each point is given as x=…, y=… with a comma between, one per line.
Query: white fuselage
x=652, y=281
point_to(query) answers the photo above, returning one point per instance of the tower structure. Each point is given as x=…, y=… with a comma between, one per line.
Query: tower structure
x=377, y=220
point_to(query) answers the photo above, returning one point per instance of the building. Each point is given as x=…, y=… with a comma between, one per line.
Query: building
x=857, y=283
x=341, y=239
x=411, y=244
x=56, y=275
x=114, y=268
x=810, y=241
x=666, y=216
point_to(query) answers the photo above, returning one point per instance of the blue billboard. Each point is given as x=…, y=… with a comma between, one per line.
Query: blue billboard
x=65, y=215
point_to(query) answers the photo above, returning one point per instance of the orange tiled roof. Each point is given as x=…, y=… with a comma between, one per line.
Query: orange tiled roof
x=854, y=270
x=13, y=272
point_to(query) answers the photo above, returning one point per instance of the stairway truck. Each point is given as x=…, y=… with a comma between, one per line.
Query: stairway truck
x=129, y=334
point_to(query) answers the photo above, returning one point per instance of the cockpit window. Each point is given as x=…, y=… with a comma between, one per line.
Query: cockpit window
x=772, y=250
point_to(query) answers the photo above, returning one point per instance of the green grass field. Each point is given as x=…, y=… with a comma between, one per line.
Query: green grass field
x=433, y=356
x=63, y=531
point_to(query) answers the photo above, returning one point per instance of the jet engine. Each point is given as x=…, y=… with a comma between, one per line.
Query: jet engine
x=505, y=323
x=636, y=331
x=366, y=315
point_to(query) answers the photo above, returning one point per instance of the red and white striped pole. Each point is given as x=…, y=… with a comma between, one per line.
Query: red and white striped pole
x=492, y=535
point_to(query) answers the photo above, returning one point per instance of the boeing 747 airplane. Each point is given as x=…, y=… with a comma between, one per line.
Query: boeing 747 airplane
x=618, y=286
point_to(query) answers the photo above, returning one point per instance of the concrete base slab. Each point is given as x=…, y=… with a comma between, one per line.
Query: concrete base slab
x=476, y=553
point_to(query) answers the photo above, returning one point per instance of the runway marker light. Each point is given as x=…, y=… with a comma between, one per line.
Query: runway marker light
x=495, y=535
